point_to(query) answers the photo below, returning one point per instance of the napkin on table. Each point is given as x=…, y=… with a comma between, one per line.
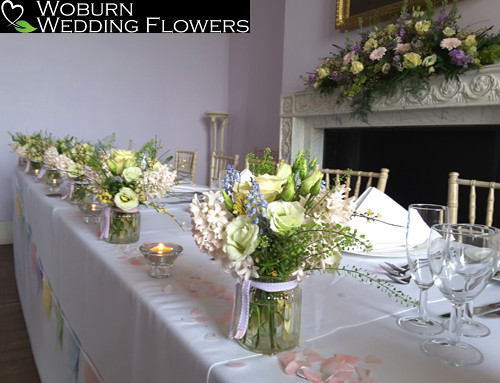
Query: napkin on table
x=389, y=229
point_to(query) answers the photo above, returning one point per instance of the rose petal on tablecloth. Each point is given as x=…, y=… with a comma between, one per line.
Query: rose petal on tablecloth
x=371, y=359
x=305, y=373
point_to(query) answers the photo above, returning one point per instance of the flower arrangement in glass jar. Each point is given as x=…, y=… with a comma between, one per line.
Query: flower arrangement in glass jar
x=276, y=228
x=31, y=148
x=124, y=179
x=71, y=158
x=402, y=56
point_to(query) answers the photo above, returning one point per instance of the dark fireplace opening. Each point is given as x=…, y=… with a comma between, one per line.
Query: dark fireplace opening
x=420, y=159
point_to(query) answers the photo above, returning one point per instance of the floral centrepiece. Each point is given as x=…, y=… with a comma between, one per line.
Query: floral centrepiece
x=402, y=56
x=282, y=226
x=124, y=179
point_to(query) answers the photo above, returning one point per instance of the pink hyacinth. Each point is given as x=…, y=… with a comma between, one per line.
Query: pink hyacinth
x=450, y=43
x=378, y=53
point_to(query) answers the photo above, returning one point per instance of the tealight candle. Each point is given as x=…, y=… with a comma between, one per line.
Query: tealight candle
x=91, y=212
x=161, y=248
x=53, y=187
x=160, y=257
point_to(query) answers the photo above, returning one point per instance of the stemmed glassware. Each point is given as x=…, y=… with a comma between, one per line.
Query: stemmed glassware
x=469, y=327
x=420, y=219
x=462, y=259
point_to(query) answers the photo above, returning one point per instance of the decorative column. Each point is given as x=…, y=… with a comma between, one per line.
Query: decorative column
x=218, y=122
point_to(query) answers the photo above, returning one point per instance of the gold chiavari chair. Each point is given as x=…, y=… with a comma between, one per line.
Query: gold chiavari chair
x=360, y=177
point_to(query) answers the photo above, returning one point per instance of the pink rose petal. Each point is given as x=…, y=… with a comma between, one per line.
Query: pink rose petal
x=363, y=372
x=286, y=357
x=371, y=359
x=347, y=358
x=292, y=367
x=235, y=364
x=312, y=356
x=304, y=372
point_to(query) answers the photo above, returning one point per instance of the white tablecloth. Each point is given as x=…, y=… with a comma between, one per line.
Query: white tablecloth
x=94, y=315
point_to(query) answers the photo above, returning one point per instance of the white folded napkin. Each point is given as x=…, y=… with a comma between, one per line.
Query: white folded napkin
x=388, y=230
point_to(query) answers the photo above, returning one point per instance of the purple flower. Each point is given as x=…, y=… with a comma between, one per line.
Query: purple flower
x=356, y=47
x=460, y=58
x=441, y=19
x=311, y=79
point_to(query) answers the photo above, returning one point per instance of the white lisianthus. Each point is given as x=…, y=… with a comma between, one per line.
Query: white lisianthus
x=126, y=199
x=132, y=174
x=429, y=60
x=241, y=238
x=284, y=216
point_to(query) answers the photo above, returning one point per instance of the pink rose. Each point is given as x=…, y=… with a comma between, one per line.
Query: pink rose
x=450, y=43
x=378, y=53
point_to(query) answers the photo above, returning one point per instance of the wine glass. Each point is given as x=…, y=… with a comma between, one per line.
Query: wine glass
x=469, y=327
x=462, y=259
x=420, y=219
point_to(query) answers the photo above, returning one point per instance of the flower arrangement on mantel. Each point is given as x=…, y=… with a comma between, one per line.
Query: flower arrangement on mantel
x=403, y=56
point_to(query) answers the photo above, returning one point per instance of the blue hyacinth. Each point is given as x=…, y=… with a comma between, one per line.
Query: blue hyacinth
x=231, y=177
x=256, y=204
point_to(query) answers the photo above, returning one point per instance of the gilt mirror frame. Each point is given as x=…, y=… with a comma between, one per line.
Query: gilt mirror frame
x=345, y=21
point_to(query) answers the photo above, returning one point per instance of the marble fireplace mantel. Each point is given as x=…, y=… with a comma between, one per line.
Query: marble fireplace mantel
x=473, y=100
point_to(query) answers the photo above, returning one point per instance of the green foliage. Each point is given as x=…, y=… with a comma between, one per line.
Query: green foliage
x=261, y=165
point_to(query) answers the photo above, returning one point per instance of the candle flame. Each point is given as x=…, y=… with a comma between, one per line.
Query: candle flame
x=54, y=181
x=161, y=248
x=93, y=206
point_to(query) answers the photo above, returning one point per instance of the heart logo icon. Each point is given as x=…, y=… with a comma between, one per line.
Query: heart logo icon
x=12, y=12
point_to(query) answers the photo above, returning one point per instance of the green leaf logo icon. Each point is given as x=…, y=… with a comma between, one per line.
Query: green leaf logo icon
x=24, y=27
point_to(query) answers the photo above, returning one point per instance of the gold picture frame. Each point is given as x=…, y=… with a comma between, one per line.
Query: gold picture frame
x=379, y=11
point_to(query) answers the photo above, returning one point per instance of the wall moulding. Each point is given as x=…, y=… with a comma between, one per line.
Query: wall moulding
x=474, y=99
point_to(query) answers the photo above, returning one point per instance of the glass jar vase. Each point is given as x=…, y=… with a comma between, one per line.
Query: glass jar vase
x=80, y=193
x=124, y=227
x=273, y=317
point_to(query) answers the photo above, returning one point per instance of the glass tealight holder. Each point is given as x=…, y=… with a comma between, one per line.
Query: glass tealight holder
x=91, y=211
x=160, y=257
x=53, y=187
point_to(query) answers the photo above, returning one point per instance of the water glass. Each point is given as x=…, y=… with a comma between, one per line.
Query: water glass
x=420, y=219
x=462, y=260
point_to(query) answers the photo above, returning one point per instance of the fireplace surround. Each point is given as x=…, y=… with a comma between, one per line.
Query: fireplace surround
x=455, y=115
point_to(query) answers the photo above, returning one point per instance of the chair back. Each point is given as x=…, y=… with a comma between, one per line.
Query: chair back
x=220, y=162
x=454, y=182
x=185, y=164
x=360, y=177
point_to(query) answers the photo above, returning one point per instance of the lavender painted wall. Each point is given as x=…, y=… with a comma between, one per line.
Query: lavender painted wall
x=256, y=62
x=139, y=86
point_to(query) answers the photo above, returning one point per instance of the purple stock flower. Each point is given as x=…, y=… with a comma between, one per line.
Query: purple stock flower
x=441, y=19
x=460, y=58
x=356, y=47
